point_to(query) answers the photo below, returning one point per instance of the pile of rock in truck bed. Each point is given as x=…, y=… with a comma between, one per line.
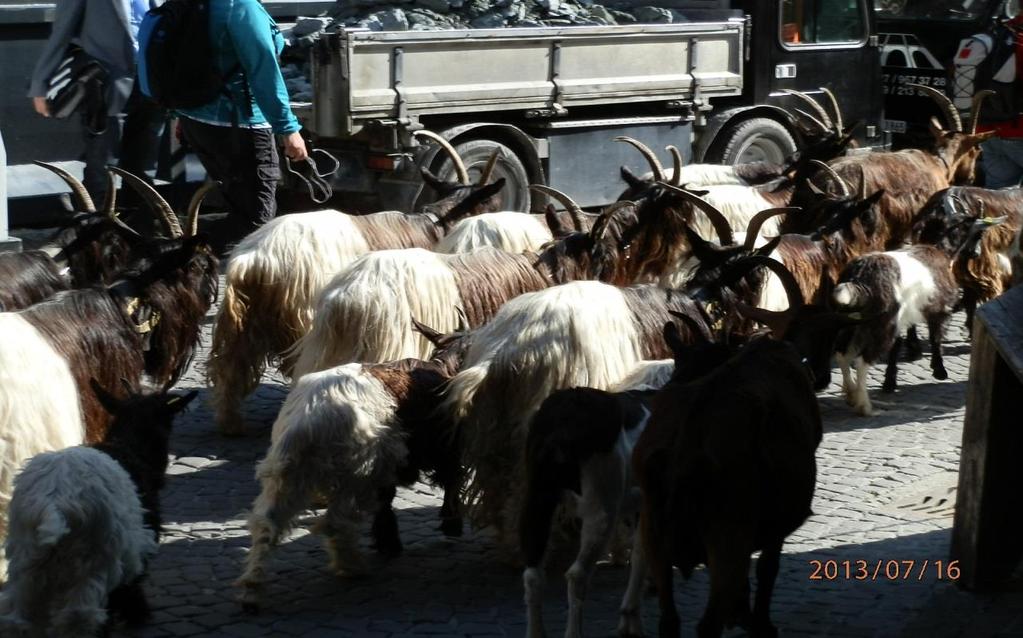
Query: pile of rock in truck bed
x=432, y=15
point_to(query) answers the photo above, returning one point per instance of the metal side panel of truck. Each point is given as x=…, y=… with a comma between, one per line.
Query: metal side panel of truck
x=712, y=83
x=551, y=98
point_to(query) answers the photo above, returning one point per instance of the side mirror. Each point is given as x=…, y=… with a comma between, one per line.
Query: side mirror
x=1011, y=9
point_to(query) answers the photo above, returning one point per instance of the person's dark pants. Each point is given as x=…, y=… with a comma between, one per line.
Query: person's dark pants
x=245, y=161
x=134, y=136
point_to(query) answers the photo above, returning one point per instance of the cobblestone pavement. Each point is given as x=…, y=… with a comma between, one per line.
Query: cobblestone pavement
x=875, y=475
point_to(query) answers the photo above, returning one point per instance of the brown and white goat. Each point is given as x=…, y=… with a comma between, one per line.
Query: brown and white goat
x=275, y=274
x=726, y=467
x=363, y=314
x=895, y=290
x=352, y=435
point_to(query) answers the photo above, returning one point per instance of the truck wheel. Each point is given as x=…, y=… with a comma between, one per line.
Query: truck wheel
x=475, y=153
x=760, y=139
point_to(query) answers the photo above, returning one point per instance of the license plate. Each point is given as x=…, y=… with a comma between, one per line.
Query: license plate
x=894, y=126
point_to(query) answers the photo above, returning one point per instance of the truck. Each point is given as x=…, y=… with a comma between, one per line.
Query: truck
x=551, y=99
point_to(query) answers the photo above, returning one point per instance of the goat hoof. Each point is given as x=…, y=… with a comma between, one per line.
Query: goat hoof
x=630, y=625
x=389, y=550
x=451, y=527
x=889, y=387
x=913, y=353
x=940, y=374
x=250, y=601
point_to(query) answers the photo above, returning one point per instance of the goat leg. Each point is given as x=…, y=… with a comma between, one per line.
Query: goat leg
x=386, y=537
x=630, y=624
x=767, y=572
x=914, y=348
x=532, y=583
x=891, y=373
x=936, y=326
x=129, y=602
x=599, y=508
x=970, y=306
x=451, y=508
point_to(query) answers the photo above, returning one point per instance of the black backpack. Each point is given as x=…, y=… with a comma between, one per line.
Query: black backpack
x=175, y=65
x=1007, y=102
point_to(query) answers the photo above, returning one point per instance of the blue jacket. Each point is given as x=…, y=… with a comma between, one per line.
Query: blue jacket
x=245, y=37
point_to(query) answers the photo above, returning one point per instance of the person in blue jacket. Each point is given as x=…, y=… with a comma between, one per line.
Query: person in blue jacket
x=233, y=135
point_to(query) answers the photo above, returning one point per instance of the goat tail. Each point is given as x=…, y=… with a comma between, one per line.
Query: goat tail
x=848, y=294
x=546, y=469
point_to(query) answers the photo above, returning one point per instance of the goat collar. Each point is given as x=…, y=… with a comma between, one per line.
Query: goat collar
x=146, y=326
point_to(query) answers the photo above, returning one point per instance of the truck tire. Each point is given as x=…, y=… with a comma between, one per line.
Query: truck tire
x=760, y=139
x=475, y=153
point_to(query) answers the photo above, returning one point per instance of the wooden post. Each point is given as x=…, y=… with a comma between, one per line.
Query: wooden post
x=987, y=538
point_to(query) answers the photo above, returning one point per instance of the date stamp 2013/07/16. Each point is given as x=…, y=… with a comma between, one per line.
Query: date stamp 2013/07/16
x=881, y=569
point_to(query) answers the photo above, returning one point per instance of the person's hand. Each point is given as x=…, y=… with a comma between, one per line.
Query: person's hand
x=41, y=107
x=294, y=147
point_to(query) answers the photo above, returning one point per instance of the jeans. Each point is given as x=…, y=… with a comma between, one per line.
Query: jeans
x=245, y=161
x=133, y=136
x=1002, y=160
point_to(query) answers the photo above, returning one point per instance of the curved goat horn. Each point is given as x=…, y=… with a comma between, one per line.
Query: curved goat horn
x=696, y=327
x=154, y=199
x=85, y=203
x=758, y=220
x=846, y=192
x=110, y=200
x=716, y=217
x=488, y=170
x=821, y=125
x=196, y=203
x=788, y=281
x=977, y=101
x=463, y=173
x=814, y=104
x=604, y=221
x=676, y=162
x=573, y=209
x=839, y=125
x=655, y=164
x=946, y=105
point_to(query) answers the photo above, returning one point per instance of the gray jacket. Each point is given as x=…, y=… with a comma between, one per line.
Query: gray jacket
x=103, y=29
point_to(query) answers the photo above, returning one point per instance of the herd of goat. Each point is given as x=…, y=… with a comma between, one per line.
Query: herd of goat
x=650, y=370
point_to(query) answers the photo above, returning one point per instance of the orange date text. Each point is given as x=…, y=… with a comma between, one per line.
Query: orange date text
x=881, y=569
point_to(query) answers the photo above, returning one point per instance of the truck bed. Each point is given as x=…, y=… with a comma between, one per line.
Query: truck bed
x=362, y=76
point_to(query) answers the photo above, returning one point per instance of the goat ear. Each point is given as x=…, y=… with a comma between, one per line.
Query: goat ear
x=431, y=335
x=700, y=247
x=109, y=402
x=769, y=247
x=558, y=229
x=631, y=179
x=177, y=402
x=673, y=337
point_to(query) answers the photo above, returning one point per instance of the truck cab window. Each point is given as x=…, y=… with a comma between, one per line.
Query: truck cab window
x=822, y=21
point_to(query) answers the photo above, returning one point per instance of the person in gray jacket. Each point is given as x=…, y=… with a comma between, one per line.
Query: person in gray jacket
x=107, y=30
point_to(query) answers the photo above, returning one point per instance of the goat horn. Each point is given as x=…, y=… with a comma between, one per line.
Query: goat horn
x=978, y=100
x=835, y=176
x=758, y=220
x=697, y=327
x=949, y=109
x=488, y=170
x=821, y=125
x=573, y=209
x=839, y=125
x=463, y=173
x=154, y=199
x=110, y=200
x=655, y=164
x=196, y=203
x=604, y=220
x=716, y=217
x=792, y=289
x=85, y=203
x=676, y=162
x=863, y=183
x=814, y=104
